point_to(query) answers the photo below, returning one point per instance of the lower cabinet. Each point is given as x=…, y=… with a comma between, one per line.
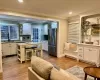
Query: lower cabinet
x=45, y=45
x=80, y=52
x=13, y=48
x=8, y=49
x=89, y=53
x=5, y=49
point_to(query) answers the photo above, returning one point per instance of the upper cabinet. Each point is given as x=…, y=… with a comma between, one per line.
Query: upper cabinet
x=26, y=29
x=46, y=29
x=54, y=24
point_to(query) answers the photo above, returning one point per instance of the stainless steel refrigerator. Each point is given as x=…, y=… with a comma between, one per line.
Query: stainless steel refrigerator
x=52, y=41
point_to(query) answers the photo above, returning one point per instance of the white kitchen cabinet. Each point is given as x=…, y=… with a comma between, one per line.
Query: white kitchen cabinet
x=5, y=49
x=80, y=52
x=13, y=48
x=45, y=29
x=45, y=45
x=8, y=49
x=26, y=30
x=89, y=53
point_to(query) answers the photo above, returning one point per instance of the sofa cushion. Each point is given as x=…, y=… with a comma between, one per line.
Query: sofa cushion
x=41, y=67
x=73, y=47
x=59, y=75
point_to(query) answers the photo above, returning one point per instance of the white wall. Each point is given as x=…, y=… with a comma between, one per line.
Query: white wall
x=62, y=37
x=0, y=54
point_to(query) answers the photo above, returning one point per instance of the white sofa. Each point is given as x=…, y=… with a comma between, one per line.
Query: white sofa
x=43, y=70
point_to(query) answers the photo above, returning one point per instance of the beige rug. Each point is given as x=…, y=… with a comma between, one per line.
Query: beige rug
x=78, y=72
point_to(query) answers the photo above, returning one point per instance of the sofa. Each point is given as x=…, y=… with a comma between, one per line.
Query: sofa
x=42, y=70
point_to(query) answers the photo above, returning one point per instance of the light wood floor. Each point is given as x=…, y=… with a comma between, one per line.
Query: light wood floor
x=14, y=70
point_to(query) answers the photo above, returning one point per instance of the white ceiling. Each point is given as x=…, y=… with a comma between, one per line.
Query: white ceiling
x=55, y=8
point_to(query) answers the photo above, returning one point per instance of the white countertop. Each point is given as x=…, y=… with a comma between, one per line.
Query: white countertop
x=88, y=44
x=29, y=43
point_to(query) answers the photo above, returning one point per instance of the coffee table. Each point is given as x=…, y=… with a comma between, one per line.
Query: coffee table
x=92, y=71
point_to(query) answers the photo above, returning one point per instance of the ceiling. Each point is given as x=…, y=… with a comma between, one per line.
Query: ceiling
x=55, y=8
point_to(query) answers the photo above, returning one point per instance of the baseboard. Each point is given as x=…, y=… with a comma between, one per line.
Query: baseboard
x=45, y=51
x=70, y=57
x=1, y=76
x=61, y=55
x=88, y=62
x=9, y=55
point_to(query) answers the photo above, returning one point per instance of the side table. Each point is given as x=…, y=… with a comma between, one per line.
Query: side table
x=92, y=71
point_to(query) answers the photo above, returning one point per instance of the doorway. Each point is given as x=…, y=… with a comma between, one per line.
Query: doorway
x=10, y=61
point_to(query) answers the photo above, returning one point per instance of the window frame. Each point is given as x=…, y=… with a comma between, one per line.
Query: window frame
x=9, y=25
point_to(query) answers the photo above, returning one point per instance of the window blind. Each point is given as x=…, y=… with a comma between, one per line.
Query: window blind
x=73, y=33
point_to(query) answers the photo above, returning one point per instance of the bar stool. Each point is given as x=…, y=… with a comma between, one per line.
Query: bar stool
x=29, y=51
x=38, y=50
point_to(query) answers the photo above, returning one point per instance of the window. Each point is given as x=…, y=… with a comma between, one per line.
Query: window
x=73, y=33
x=14, y=33
x=4, y=32
x=9, y=32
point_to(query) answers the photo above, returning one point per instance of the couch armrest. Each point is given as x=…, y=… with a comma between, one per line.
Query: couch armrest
x=32, y=75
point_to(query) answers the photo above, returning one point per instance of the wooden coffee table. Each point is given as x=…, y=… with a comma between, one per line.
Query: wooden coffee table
x=92, y=71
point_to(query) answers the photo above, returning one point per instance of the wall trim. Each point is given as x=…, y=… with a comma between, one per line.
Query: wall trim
x=60, y=55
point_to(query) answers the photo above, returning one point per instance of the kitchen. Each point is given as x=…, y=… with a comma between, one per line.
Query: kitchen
x=17, y=30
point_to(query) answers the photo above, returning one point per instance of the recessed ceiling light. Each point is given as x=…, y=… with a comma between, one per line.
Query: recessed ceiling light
x=70, y=12
x=21, y=1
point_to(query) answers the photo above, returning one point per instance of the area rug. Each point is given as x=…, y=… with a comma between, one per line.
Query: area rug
x=78, y=72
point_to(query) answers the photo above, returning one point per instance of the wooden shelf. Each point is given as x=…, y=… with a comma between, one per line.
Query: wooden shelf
x=18, y=54
x=18, y=49
x=19, y=59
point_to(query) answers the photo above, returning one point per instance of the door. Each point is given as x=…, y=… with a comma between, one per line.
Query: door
x=36, y=35
x=52, y=50
x=52, y=42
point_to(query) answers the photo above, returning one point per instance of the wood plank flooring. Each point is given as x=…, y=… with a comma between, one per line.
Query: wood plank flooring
x=0, y=76
x=14, y=70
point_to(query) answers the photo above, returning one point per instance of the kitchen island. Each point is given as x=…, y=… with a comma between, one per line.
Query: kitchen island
x=21, y=49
